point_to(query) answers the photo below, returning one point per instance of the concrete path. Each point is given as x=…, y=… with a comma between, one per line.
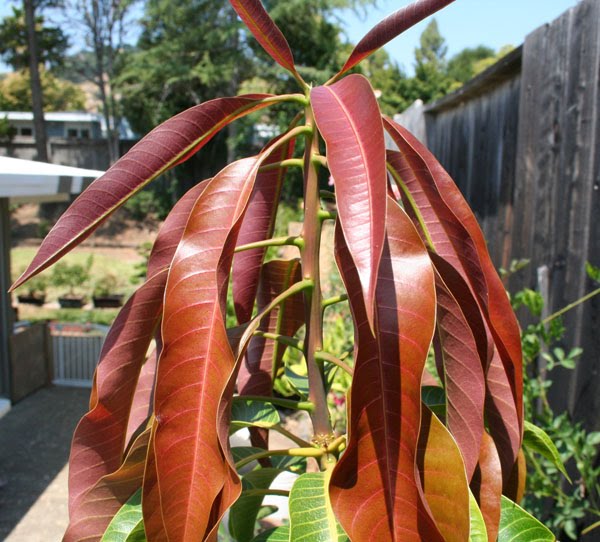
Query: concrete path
x=35, y=436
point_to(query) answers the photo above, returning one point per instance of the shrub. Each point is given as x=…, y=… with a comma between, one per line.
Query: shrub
x=416, y=272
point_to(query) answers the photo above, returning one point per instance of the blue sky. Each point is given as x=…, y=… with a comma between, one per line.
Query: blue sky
x=465, y=23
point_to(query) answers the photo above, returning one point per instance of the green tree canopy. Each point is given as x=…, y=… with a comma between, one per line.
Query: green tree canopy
x=52, y=42
x=59, y=95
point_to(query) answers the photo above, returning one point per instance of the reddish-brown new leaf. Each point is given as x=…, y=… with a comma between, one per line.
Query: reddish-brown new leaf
x=349, y=120
x=172, y=229
x=442, y=475
x=486, y=485
x=99, y=440
x=258, y=225
x=196, y=362
x=174, y=141
x=265, y=31
x=102, y=501
x=463, y=374
x=374, y=490
x=153, y=522
x=390, y=27
x=457, y=237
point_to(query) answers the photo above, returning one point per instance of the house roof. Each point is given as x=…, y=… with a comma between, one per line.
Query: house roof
x=54, y=116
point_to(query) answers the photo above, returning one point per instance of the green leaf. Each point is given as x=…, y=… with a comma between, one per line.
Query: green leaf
x=516, y=525
x=298, y=382
x=249, y=413
x=536, y=440
x=244, y=512
x=311, y=515
x=128, y=523
x=478, y=531
x=279, y=534
x=435, y=398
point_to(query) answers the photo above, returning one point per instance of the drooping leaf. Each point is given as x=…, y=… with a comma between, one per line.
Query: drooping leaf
x=196, y=362
x=264, y=356
x=100, y=437
x=172, y=229
x=375, y=478
x=517, y=525
x=278, y=534
x=390, y=27
x=124, y=527
x=311, y=514
x=463, y=375
x=536, y=440
x=349, y=119
x=442, y=196
x=502, y=416
x=258, y=225
x=98, y=505
x=486, y=485
x=515, y=489
x=243, y=514
x=141, y=403
x=169, y=144
x=265, y=31
x=446, y=221
x=248, y=413
x=478, y=532
x=153, y=520
x=443, y=478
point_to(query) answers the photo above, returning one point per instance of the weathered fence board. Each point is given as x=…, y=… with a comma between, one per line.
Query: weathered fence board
x=522, y=141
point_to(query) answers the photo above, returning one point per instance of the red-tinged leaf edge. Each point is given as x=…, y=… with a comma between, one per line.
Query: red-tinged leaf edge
x=100, y=437
x=443, y=478
x=258, y=225
x=266, y=32
x=486, y=485
x=102, y=501
x=348, y=118
x=390, y=27
x=368, y=507
x=169, y=144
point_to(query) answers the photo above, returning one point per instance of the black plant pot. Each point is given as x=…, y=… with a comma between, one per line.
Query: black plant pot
x=70, y=302
x=108, y=301
x=37, y=300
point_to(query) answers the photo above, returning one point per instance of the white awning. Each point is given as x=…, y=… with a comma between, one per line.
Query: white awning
x=26, y=180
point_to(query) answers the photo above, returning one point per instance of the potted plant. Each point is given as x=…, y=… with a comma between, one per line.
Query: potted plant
x=72, y=277
x=152, y=458
x=104, y=294
x=35, y=291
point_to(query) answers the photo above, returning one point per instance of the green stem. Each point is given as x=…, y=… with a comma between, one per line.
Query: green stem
x=279, y=401
x=327, y=215
x=274, y=242
x=291, y=452
x=327, y=194
x=570, y=306
x=334, y=300
x=290, y=162
x=326, y=356
x=310, y=268
x=319, y=159
x=413, y=205
x=283, y=339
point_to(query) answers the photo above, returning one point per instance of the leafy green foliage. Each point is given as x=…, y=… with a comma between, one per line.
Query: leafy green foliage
x=516, y=525
x=127, y=525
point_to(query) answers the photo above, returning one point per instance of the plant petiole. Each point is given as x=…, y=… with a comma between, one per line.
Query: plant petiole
x=296, y=241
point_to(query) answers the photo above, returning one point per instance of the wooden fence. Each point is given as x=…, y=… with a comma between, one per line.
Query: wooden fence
x=522, y=141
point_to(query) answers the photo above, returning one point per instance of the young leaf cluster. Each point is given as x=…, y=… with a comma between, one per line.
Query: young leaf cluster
x=175, y=379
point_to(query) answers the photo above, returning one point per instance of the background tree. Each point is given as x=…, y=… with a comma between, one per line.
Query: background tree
x=461, y=67
x=25, y=43
x=59, y=95
x=103, y=26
